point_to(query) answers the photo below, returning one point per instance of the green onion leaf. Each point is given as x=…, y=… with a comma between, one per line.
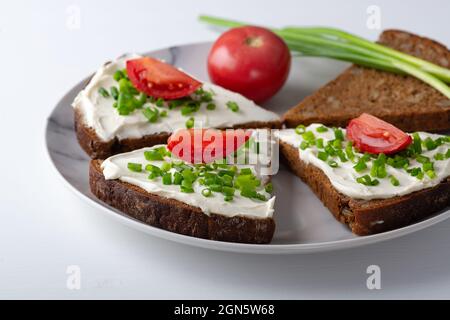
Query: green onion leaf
x=135, y=167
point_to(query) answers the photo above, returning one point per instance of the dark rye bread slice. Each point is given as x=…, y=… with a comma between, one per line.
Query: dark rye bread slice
x=99, y=149
x=364, y=216
x=402, y=100
x=176, y=216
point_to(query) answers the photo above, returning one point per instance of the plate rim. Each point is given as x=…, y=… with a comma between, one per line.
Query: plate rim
x=224, y=246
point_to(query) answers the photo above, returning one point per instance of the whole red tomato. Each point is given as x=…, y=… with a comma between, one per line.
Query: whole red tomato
x=250, y=60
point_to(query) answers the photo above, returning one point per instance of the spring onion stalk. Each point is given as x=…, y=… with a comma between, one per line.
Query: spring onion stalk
x=336, y=44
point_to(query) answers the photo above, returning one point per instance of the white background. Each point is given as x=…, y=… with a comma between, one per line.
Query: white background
x=44, y=227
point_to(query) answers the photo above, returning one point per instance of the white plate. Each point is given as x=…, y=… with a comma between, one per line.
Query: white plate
x=303, y=223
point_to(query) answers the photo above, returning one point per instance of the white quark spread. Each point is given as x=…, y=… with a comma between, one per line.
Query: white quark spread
x=115, y=167
x=100, y=115
x=343, y=177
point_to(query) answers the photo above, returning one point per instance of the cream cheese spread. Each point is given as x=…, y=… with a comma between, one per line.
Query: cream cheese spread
x=115, y=167
x=99, y=114
x=343, y=177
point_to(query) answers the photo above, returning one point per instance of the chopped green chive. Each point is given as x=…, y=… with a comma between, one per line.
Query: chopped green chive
x=431, y=174
x=159, y=102
x=304, y=145
x=103, y=92
x=210, y=106
x=228, y=198
x=308, y=136
x=417, y=143
x=135, y=167
x=118, y=75
x=177, y=178
x=233, y=106
x=430, y=144
x=300, y=129
x=360, y=165
x=394, y=181
x=319, y=143
x=338, y=134
x=206, y=192
x=322, y=129
x=114, y=92
x=322, y=155
x=167, y=178
x=333, y=164
x=367, y=181
x=269, y=187
x=151, y=114
x=439, y=156
x=190, y=123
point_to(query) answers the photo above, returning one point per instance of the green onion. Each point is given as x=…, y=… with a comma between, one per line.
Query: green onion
x=190, y=123
x=154, y=155
x=269, y=187
x=367, y=181
x=206, y=192
x=228, y=198
x=417, y=143
x=338, y=134
x=228, y=191
x=159, y=102
x=322, y=129
x=431, y=174
x=233, y=106
x=210, y=106
x=422, y=159
x=349, y=151
x=167, y=178
x=177, y=178
x=308, y=136
x=394, y=181
x=114, y=92
x=341, y=155
x=186, y=186
x=166, y=166
x=322, y=155
x=216, y=187
x=439, y=156
x=330, y=150
x=338, y=44
x=163, y=113
x=430, y=144
x=245, y=171
x=319, y=143
x=135, y=167
x=447, y=154
x=360, y=165
x=304, y=145
x=151, y=114
x=103, y=92
x=333, y=164
x=300, y=129
x=118, y=75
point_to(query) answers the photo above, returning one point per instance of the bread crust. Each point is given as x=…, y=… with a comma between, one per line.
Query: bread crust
x=402, y=100
x=176, y=216
x=366, y=217
x=99, y=149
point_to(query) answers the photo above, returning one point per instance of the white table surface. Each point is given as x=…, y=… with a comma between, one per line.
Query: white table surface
x=44, y=227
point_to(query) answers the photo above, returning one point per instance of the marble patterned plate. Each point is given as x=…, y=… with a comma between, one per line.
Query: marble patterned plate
x=303, y=223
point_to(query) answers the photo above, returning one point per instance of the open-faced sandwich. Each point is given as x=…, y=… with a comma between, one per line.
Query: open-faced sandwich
x=136, y=102
x=372, y=176
x=170, y=187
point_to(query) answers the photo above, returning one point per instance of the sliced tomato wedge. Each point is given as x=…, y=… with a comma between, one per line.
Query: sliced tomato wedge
x=159, y=79
x=206, y=145
x=373, y=135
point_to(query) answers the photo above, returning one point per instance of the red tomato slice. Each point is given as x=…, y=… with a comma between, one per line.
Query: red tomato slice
x=159, y=79
x=373, y=135
x=206, y=145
